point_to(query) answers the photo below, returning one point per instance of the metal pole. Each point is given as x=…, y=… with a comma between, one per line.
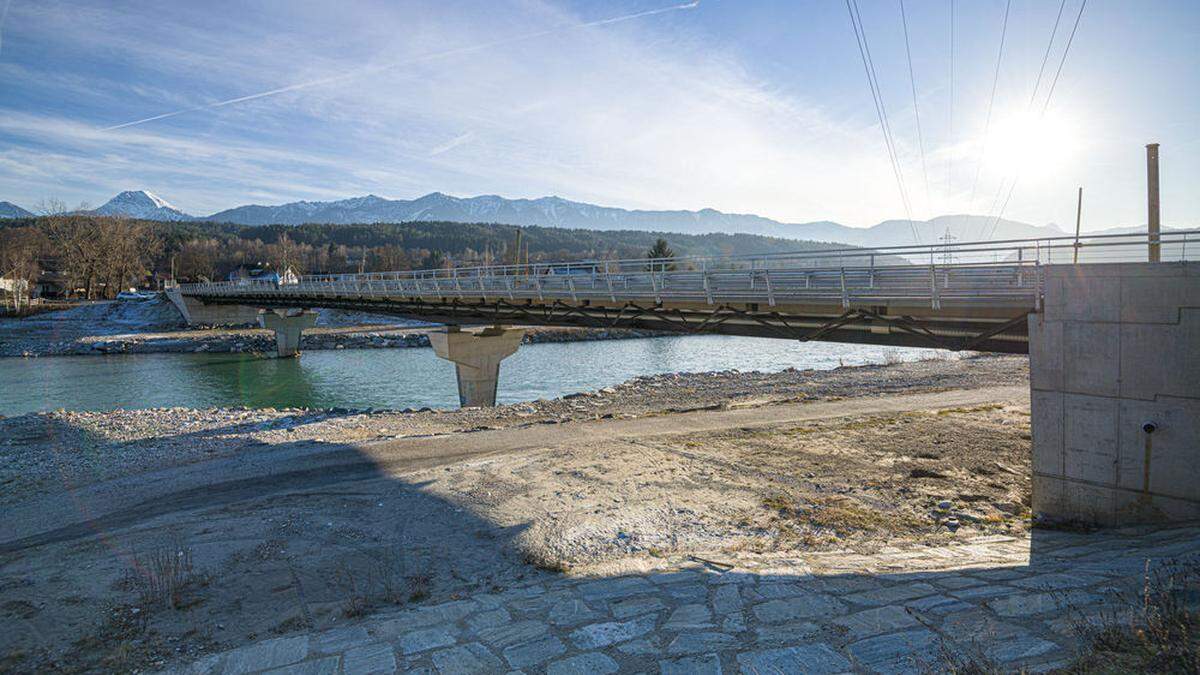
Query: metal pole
x=1078, y=217
x=1152, y=200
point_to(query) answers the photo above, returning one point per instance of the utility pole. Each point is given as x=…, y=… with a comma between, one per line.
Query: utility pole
x=947, y=253
x=1078, y=217
x=1152, y=200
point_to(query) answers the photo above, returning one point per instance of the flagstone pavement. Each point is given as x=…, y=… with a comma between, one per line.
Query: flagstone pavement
x=1013, y=600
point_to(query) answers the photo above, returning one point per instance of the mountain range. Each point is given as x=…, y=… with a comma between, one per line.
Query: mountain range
x=559, y=212
x=11, y=210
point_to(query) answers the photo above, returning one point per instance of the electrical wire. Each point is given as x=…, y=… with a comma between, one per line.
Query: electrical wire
x=1045, y=107
x=864, y=51
x=950, y=134
x=912, y=79
x=987, y=125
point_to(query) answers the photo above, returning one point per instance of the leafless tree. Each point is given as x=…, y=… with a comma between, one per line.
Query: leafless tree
x=20, y=251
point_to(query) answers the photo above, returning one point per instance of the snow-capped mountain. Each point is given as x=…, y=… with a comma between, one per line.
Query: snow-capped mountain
x=141, y=204
x=11, y=210
x=559, y=212
x=546, y=211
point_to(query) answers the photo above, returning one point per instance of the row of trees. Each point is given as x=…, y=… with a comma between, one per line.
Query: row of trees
x=100, y=256
x=96, y=257
x=214, y=258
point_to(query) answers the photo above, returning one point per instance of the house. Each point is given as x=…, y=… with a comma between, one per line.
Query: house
x=247, y=275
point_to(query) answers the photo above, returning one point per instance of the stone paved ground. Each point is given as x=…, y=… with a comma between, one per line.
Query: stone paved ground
x=1013, y=600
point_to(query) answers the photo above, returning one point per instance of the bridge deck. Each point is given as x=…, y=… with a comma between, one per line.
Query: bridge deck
x=967, y=296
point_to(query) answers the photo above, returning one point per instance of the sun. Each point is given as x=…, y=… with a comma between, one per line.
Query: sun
x=1031, y=145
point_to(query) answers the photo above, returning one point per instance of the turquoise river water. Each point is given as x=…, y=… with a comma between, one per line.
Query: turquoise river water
x=391, y=378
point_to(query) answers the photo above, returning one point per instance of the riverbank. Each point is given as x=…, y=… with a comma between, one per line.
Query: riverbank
x=79, y=447
x=217, y=340
x=273, y=523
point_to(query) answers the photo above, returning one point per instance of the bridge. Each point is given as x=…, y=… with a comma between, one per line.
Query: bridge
x=1111, y=324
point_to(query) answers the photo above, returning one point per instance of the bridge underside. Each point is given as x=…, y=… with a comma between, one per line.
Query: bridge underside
x=994, y=331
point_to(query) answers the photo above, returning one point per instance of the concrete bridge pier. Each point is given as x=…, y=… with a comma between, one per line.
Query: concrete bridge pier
x=476, y=356
x=1114, y=367
x=287, y=324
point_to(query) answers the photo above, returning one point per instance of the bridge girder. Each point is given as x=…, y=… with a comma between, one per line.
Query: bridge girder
x=1006, y=334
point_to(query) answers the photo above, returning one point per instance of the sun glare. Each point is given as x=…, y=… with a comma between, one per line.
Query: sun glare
x=1031, y=145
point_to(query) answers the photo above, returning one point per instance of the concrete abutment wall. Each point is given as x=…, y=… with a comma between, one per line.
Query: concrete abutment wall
x=196, y=313
x=1115, y=379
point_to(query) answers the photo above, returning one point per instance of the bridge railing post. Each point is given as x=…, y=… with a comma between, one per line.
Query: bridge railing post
x=934, y=295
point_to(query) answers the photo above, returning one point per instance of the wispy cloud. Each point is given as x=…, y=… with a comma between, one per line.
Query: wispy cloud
x=424, y=58
x=657, y=107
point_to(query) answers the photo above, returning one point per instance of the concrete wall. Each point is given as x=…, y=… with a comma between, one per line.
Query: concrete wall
x=1117, y=346
x=197, y=313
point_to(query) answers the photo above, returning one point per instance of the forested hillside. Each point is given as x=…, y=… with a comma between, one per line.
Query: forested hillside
x=100, y=254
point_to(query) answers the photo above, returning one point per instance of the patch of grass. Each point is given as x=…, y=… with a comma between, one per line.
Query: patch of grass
x=290, y=624
x=812, y=520
x=973, y=409
x=161, y=576
x=779, y=502
x=1155, y=630
x=844, y=515
x=547, y=563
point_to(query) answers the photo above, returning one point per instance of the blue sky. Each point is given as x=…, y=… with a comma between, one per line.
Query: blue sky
x=759, y=107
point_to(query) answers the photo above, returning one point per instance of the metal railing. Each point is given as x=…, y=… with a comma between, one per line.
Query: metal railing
x=1004, y=273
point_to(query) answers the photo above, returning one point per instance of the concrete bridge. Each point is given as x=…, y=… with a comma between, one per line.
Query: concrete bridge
x=1114, y=342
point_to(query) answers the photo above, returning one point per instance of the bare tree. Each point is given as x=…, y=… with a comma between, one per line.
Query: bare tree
x=286, y=254
x=20, y=251
x=101, y=255
x=197, y=259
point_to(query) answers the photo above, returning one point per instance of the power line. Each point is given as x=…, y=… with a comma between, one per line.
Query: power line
x=1046, y=56
x=1028, y=108
x=916, y=109
x=1046, y=107
x=987, y=125
x=864, y=51
x=1063, y=60
x=950, y=136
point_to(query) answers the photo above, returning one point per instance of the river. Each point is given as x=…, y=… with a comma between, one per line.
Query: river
x=391, y=378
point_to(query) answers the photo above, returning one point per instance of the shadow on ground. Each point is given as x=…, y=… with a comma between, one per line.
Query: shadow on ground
x=348, y=566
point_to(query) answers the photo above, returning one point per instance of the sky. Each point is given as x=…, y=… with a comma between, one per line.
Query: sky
x=746, y=107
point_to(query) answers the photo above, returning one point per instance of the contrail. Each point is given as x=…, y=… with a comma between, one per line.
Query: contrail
x=359, y=72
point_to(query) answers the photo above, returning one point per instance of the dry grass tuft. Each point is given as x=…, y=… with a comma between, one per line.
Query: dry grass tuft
x=1155, y=630
x=160, y=576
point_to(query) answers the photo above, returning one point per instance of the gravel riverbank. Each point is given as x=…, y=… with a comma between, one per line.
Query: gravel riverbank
x=43, y=449
x=257, y=340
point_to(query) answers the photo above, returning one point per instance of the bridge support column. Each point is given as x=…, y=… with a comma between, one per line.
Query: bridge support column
x=287, y=324
x=1114, y=369
x=476, y=356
